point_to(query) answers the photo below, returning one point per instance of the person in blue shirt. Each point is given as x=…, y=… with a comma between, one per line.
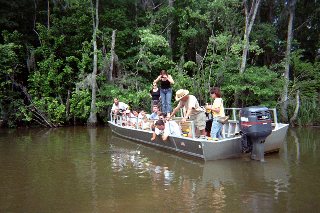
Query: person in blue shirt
x=155, y=111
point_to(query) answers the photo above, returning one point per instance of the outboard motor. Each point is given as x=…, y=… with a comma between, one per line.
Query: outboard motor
x=255, y=126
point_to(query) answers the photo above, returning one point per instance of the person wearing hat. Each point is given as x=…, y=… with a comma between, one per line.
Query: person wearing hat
x=193, y=110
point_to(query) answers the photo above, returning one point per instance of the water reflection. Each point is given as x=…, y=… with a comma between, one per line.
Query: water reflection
x=254, y=184
x=122, y=158
x=296, y=142
x=92, y=132
x=80, y=169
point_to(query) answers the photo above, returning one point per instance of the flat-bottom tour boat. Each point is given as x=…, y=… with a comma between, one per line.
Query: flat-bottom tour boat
x=253, y=130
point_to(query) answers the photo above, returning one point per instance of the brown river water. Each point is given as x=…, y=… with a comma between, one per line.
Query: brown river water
x=79, y=169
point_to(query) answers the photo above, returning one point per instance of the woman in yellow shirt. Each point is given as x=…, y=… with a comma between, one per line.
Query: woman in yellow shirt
x=217, y=110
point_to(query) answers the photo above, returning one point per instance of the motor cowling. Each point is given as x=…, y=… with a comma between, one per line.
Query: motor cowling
x=255, y=127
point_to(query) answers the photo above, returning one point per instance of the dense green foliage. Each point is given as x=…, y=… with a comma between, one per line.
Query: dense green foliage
x=46, y=56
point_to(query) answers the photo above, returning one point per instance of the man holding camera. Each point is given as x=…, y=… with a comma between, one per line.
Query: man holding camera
x=118, y=107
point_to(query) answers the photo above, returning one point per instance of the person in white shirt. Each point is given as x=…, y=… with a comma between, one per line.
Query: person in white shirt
x=166, y=129
x=118, y=107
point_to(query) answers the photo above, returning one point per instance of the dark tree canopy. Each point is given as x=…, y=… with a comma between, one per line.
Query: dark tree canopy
x=46, y=55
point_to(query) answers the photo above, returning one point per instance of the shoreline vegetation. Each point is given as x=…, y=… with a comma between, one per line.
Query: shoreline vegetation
x=63, y=62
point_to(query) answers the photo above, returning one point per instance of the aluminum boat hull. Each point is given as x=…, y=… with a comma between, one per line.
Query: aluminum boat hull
x=201, y=148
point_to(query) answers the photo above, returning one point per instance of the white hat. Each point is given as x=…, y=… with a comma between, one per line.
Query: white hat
x=181, y=93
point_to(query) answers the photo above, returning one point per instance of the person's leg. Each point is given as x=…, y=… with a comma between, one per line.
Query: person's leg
x=219, y=134
x=214, y=129
x=163, y=100
x=168, y=100
x=200, y=123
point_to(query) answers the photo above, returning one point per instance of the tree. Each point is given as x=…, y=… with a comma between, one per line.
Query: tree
x=95, y=24
x=250, y=17
x=284, y=98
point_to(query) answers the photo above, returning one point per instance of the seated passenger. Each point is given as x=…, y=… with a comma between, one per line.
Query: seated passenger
x=134, y=118
x=142, y=114
x=166, y=129
x=127, y=118
x=144, y=123
x=154, y=115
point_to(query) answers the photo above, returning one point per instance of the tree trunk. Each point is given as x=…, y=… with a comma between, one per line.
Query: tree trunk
x=249, y=21
x=48, y=14
x=284, y=97
x=39, y=116
x=113, y=41
x=68, y=105
x=95, y=22
x=170, y=20
x=250, y=17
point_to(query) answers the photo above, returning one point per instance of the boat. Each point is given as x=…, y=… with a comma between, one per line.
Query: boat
x=230, y=146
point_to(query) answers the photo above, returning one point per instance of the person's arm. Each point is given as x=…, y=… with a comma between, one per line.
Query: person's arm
x=153, y=136
x=208, y=107
x=174, y=111
x=157, y=79
x=155, y=132
x=216, y=109
x=165, y=137
x=170, y=79
x=184, y=119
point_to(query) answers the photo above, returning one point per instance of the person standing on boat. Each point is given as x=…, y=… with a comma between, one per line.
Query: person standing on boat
x=118, y=107
x=166, y=81
x=217, y=110
x=193, y=110
x=155, y=95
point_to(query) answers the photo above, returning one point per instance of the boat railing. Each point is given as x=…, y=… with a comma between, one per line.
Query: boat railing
x=187, y=127
x=229, y=129
x=125, y=120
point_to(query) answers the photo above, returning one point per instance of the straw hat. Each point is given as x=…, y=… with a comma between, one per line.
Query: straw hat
x=181, y=93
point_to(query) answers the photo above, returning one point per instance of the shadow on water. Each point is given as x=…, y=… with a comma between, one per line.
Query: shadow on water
x=240, y=179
